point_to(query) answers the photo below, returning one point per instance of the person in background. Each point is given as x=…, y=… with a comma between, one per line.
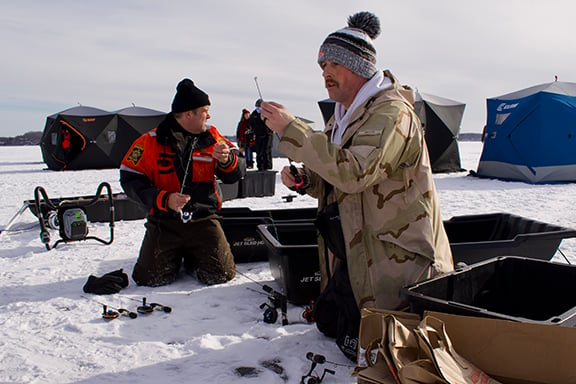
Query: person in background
x=263, y=138
x=66, y=144
x=371, y=170
x=244, y=138
x=171, y=170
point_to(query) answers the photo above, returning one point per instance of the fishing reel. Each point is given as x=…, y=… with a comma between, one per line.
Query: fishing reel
x=149, y=308
x=69, y=217
x=309, y=378
x=110, y=313
x=300, y=181
x=277, y=300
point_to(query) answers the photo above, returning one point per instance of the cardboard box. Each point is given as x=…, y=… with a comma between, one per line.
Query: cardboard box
x=508, y=351
x=513, y=352
x=370, y=332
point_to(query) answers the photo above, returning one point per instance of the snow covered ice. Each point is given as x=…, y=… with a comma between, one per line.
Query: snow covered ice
x=51, y=332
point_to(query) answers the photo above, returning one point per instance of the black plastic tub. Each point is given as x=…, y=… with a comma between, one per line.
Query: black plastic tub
x=240, y=226
x=292, y=248
x=475, y=238
x=258, y=184
x=509, y=287
x=293, y=258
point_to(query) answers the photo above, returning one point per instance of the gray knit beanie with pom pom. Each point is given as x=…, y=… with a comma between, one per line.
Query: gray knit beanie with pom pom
x=352, y=46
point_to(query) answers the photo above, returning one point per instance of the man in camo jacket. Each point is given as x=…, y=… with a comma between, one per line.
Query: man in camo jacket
x=373, y=153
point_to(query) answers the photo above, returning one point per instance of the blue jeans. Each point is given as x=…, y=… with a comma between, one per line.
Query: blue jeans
x=248, y=154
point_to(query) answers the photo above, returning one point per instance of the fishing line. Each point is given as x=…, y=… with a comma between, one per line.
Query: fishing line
x=273, y=222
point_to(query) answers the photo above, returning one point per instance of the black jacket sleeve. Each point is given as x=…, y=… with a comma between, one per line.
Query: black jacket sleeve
x=139, y=188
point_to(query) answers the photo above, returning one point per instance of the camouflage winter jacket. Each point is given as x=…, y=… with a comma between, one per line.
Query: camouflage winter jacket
x=383, y=184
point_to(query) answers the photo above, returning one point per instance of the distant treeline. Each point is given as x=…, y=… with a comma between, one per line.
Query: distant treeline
x=33, y=138
x=29, y=138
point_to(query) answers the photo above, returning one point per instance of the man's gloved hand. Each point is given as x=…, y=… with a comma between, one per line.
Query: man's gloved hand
x=109, y=283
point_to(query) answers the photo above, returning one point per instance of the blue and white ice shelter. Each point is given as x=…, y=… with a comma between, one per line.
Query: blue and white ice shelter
x=530, y=135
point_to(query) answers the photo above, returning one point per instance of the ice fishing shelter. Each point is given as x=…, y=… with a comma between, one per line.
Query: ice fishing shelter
x=441, y=120
x=530, y=135
x=90, y=138
x=133, y=122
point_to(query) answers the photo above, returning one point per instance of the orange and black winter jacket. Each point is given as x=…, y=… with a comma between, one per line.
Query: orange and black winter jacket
x=156, y=164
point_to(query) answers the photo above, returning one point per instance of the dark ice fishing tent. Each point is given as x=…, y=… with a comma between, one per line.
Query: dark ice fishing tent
x=133, y=122
x=79, y=138
x=530, y=135
x=326, y=108
x=441, y=120
x=90, y=138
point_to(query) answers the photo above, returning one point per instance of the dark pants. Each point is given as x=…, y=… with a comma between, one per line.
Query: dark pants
x=264, y=152
x=199, y=246
x=248, y=155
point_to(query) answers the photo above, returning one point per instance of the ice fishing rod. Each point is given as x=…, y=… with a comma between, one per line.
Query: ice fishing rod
x=148, y=308
x=270, y=315
x=310, y=377
x=277, y=299
x=110, y=313
x=187, y=216
x=258, y=88
x=262, y=99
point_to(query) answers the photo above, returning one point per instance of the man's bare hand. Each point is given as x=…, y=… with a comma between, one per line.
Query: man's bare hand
x=221, y=152
x=177, y=201
x=287, y=177
x=276, y=116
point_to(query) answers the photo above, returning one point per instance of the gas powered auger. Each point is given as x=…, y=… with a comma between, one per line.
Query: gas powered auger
x=69, y=217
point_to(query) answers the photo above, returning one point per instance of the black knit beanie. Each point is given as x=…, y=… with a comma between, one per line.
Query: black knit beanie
x=188, y=97
x=352, y=46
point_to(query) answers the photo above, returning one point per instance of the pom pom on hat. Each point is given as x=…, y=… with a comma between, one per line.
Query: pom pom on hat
x=352, y=46
x=367, y=22
x=188, y=97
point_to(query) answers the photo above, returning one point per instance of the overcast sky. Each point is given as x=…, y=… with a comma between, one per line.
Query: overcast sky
x=112, y=54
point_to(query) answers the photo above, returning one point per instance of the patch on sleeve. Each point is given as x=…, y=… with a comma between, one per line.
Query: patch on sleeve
x=135, y=154
x=370, y=132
